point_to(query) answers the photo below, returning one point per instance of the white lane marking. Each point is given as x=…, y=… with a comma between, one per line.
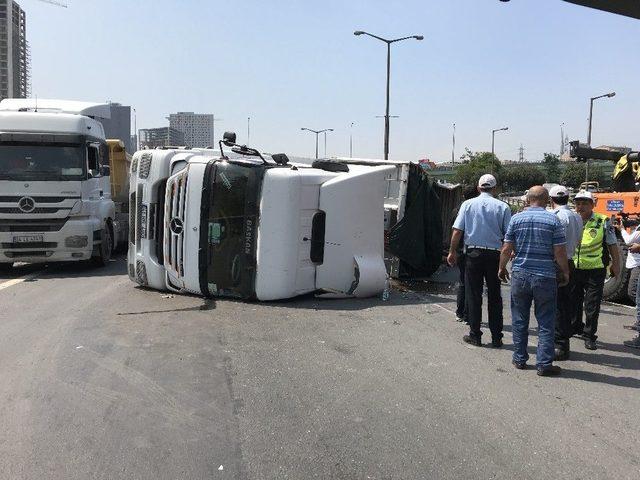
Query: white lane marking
x=16, y=281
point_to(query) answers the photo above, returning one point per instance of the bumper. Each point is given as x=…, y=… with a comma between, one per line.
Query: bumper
x=73, y=242
x=144, y=269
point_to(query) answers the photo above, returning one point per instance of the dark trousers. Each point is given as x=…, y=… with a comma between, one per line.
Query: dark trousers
x=461, y=307
x=482, y=266
x=587, y=295
x=565, y=312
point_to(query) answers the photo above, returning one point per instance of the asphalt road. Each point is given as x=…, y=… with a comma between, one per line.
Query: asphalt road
x=102, y=380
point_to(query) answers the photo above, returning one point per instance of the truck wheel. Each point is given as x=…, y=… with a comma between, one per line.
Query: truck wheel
x=104, y=249
x=634, y=275
x=615, y=288
x=6, y=267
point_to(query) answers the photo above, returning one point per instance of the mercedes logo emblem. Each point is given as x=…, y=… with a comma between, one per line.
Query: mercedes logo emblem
x=176, y=226
x=27, y=204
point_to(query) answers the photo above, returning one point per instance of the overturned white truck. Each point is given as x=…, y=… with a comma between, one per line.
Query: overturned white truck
x=255, y=227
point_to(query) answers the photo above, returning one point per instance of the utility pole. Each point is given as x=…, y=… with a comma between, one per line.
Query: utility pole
x=562, y=139
x=453, y=148
x=248, y=130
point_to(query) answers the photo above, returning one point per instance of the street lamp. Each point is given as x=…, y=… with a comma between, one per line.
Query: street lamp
x=351, y=140
x=493, y=138
x=606, y=95
x=318, y=132
x=388, y=42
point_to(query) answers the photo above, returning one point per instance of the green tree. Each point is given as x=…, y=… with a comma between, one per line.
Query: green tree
x=521, y=177
x=574, y=174
x=552, y=166
x=476, y=164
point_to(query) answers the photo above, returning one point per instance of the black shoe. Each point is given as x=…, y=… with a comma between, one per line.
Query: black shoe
x=550, y=371
x=472, y=340
x=578, y=332
x=560, y=355
x=590, y=344
x=519, y=365
x=459, y=318
x=634, y=327
x=635, y=343
x=496, y=343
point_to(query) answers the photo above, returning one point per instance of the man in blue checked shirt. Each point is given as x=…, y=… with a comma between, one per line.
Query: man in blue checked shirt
x=482, y=221
x=538, y=239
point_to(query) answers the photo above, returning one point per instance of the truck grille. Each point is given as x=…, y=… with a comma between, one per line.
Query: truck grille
x=139, y=214
x=174, y=215
x=132, y=218
x=39, y=210
x=23, y=254
x=145, y=165
x=17, y=198
x=29, y=225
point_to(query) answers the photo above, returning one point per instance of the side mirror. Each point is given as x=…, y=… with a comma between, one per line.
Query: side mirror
x=229, y=139
x=280, y=158
x=105, y=170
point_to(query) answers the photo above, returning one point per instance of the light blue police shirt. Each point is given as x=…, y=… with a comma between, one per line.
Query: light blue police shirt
x=484, y=221
x=572, y=226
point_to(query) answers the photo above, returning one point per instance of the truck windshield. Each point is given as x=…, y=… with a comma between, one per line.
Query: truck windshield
x=231, y=202
x=42, y=161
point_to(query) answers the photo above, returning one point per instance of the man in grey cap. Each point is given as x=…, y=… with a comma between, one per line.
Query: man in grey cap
x=572, y=223
x=482, y=221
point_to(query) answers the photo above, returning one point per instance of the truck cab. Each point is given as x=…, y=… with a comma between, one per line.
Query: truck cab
x=266, y=230
x=55, y=200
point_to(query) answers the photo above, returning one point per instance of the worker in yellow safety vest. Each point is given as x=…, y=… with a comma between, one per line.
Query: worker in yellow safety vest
x=598, y=245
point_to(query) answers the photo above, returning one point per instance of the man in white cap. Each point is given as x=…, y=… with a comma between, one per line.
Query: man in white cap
x=597, y=245
x=482, y=222
x=572, y=223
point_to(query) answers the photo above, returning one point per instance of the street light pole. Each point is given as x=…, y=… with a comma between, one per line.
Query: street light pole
x=318, y=132
x=248, y=130
x=493, y=138
x=386, y=117
x=351, y=141
x=453, y=148
x=607, y=95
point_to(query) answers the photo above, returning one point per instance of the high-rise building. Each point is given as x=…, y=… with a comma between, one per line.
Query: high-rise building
x=160, y=137
x=197, y=128
x=14, y=51
x=119, y=125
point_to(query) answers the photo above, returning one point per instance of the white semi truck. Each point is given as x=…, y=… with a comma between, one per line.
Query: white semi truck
x=55, y=190
x=254, y=226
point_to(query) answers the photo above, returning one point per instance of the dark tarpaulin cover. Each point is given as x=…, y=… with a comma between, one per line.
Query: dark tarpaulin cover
x=417, y=239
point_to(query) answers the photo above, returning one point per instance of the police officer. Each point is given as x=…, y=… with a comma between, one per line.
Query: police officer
x=483, y=222
x=598, y=240
x=572, y=223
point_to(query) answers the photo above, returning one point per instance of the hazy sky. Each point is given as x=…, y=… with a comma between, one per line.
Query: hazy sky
x=530, y=65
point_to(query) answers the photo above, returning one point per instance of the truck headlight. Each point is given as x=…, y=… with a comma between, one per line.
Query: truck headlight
x=77, y=208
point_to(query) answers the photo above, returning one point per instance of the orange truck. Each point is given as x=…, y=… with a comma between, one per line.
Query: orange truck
x=622, y=204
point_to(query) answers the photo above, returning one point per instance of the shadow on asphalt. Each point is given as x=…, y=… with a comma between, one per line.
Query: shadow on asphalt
x=627, y=382
x=117, y=266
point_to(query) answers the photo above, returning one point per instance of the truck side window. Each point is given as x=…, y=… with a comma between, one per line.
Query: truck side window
x=93, y=162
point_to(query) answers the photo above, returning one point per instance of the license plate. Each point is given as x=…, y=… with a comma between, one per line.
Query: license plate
x=28, y=238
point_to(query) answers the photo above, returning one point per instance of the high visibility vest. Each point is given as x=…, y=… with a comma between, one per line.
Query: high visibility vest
x=589, y=253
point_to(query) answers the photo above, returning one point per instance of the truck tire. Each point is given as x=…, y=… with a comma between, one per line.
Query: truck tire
x=6, y=267
x=634, y=275
x=104, y=250
x=616, y=288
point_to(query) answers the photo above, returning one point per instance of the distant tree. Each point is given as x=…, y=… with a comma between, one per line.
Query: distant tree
x=552, y=166
x=476, y=164
x=574, y=174
x=521, y=178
